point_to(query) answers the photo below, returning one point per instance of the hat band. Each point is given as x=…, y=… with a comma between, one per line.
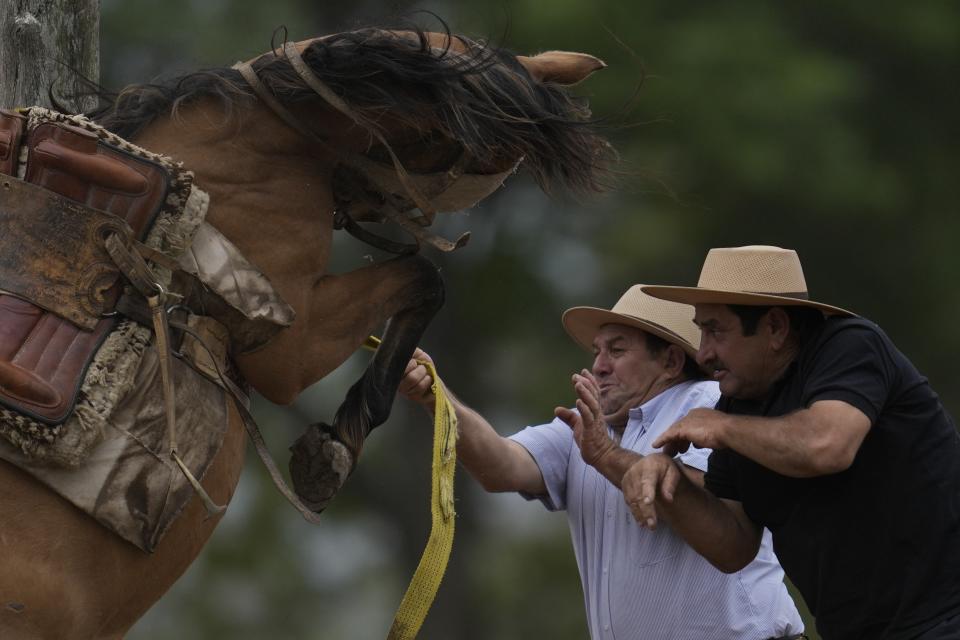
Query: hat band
x=800, y=295
x=658, y=326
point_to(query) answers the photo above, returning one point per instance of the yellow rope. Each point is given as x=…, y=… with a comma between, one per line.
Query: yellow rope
x=426, y=580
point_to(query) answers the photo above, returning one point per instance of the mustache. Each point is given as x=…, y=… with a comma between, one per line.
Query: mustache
x=713, y=365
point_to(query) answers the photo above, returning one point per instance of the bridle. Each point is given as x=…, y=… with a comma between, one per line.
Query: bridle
x=413, y=225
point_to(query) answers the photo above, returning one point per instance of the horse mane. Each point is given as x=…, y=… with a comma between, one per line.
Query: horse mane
x=483, y=99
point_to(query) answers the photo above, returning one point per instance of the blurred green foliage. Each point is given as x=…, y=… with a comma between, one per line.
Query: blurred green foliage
x=828, y=127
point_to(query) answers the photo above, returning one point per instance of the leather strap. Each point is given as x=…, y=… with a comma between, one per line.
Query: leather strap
x=156, y=257
x=292, y=54
x=253, y=431
x=413, y=228
x=164, y=354
x=282, y=112
x=250, y=423
x=162, y=331
x=296, y=61
x=132, y=266
x=342, y=220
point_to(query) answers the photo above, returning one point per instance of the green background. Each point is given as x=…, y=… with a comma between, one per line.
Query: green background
x=827, y=127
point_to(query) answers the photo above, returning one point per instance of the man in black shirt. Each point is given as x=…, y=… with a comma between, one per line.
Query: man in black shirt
x=828, y=436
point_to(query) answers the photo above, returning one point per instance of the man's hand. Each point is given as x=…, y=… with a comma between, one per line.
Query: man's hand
x=589, y=429
x=654, y=477
x=701, y=427
x=417, y=382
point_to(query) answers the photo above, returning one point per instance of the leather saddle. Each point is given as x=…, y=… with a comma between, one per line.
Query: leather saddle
x=58, y=286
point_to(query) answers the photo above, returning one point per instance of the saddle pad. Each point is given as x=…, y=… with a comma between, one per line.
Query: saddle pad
x=128, y=482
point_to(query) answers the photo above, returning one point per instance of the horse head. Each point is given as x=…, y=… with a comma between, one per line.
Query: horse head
x=458, y=140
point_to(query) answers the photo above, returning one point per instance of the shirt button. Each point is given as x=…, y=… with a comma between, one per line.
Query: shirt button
x=609, y=514
x=604, y=569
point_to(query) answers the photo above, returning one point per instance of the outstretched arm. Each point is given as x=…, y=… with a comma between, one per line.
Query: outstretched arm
x=497, y=463
x=821, y=439
x=657, y=488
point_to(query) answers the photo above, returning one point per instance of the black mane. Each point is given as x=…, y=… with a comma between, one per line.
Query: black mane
x=484, y=100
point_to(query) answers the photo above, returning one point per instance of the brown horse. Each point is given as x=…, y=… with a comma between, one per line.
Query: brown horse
x=408, y=104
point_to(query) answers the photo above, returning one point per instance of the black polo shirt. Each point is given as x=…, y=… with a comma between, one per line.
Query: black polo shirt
x=874, y=549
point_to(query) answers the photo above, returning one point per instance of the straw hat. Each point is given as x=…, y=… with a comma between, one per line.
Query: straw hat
x=670, y=321
x=754, y=275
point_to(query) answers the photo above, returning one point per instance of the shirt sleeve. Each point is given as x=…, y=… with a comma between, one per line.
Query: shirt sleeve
x=701, y=395
x=853, y=366
x=549, y=445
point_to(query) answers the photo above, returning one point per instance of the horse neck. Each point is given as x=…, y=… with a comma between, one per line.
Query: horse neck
x=269, y=191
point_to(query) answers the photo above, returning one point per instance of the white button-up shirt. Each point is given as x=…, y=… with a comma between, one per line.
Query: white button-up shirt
x=650, y=585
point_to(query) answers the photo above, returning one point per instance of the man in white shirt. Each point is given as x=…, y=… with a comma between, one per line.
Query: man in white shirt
x=637, y=583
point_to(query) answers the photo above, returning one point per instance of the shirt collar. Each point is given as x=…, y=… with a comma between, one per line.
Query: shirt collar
x=651, y=406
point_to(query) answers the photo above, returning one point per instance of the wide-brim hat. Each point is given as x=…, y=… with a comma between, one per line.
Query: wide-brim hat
x=668, y=320
x=754, y=275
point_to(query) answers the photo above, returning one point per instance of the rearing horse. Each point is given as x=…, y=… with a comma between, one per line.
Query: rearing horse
x=380, y=123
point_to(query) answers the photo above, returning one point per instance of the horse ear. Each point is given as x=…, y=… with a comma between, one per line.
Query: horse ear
x=562, y=67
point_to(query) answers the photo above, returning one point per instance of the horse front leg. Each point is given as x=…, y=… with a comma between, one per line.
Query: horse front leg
x=325, y=455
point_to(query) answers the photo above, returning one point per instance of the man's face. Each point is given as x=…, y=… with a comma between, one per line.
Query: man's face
x=744, y=366
x=625, y=371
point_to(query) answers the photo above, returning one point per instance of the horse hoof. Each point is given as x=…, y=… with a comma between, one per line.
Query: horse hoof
x=319, y=466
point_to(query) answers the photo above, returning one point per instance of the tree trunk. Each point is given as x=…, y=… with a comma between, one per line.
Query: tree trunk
x=44, y=44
